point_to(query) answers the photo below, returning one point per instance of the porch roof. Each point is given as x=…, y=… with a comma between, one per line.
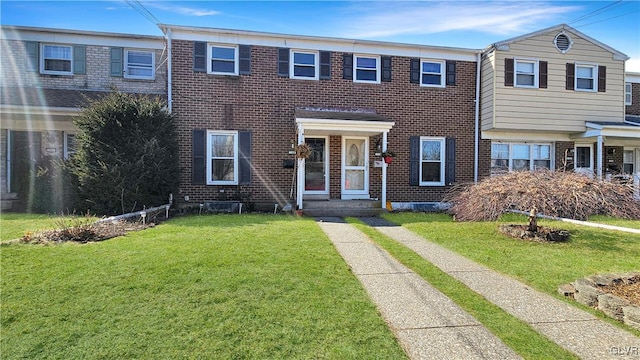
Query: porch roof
x=328, y=121
x=620, y=133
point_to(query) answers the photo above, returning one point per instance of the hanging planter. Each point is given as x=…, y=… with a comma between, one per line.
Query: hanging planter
x=388, y=156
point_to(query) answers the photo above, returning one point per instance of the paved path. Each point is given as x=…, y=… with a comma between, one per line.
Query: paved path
x=428, y=324
x=572, y=328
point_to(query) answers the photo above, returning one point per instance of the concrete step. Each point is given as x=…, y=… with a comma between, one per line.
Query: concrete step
x=342, y=212
x=341, y=208
x=7, y=200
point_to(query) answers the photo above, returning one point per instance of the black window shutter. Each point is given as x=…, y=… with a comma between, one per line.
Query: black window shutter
x=244, y=157
x=414, y=160
x=602, y=78
x=199, y=165
x=386, y=68
x=283, y=62
x=450, y=160
x=199, y=56
x=451, y=72
x=508, y=72
x=544, y=74
x=571, y=73
x=117, y=61
x=414, y=72
x=347, y=66
x=325, y=65
x=244, y=55
x=33, y=55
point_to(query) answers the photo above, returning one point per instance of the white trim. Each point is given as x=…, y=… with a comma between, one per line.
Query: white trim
x=127, y=65
x=65, y=147
x=230, y=36
x=355, y=68
x=326, y=168
x=584, y=170
x=442, y=161
x=536, y=72
x=354, y=194
x=54, y=72
x=316, y=64
x=443, y=72
x=79, y=37
x=510, y=159
x=209, y=157
x=334, y=127
x=594, y=67
x=629, y=93
x=632, y=77
x=555, y=42
x=236, y=62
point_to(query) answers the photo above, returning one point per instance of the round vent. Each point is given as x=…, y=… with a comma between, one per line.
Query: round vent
x=563, y=42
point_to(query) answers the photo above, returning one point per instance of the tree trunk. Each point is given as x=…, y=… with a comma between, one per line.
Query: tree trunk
x=533, y=220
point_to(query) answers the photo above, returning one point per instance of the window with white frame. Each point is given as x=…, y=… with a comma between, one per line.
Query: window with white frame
x=628, y=162
x=223, y=60
x=583, y=157
x=432, y=73
x=56, y=59
x=526, y=73
x=304, y=65
x=432, y=158
x=139, y=64
x=69, y=145
x=507, y=157
x=222, y=157
x=586, y=77
x=366, y=69
x=627, y=93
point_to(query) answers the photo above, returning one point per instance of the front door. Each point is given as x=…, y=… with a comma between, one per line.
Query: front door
x=316, y=176
x=355, y=167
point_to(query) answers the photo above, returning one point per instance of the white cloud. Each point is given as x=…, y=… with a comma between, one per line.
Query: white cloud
x=405, y=18
x=182, y=10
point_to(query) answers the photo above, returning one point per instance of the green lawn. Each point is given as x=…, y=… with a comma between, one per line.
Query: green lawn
x=220, y=287
x=633, y=224
x=14, y=225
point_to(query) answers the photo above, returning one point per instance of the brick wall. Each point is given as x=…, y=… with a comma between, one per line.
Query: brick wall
x=264, y=103
x=634, y=108
x=14, y=72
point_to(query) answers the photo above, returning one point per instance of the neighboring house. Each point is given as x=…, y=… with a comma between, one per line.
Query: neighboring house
x=556, y=99
x=244, y=100
x=47, y=75
x=631, y=155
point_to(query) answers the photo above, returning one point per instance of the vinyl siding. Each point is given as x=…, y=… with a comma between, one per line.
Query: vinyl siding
x=487, y=90
x=555, y=108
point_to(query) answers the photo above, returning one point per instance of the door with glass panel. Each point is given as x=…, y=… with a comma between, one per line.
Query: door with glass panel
x=355, y=168
x=316, y=176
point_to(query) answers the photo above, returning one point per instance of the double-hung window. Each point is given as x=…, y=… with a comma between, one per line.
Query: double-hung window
x=139, y=64
x=627, y=93
x=627, y=161
x=432, y=73
x=526, y=73
x=432, y=158
x=223, y=60
x=69, y=146
x=518, y=157
x=304, y=65
x=366, y=69
x=222, y=157
x=586, y=77
x=56, y=59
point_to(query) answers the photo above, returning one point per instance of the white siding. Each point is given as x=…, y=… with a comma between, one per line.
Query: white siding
x=487, y=90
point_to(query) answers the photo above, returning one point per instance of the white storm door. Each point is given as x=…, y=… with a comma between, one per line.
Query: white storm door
x=355, y=167
x=316, y=174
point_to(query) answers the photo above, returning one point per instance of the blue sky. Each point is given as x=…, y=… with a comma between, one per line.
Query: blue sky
x=469, y=24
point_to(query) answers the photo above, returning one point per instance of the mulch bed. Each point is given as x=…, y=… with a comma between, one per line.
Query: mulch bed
x=627, y=289
x=544, y=234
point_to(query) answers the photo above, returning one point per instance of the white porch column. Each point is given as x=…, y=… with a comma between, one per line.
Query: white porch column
x=300, y=177
x=383, y=196
x=600, y=157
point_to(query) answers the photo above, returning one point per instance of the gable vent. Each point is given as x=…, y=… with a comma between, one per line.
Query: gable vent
x=563, y=42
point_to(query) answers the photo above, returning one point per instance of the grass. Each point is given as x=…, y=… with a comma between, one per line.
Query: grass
x=609, y=220
x=518, y=335
x=15, y=225
x=195, y=287
x=543, y=266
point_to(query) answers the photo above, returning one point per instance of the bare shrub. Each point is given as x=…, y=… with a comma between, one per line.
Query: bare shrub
x=562, y=194
x=82, y=230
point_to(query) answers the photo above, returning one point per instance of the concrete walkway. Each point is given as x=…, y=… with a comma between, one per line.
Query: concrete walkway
x=427, y=324
x=570, y=327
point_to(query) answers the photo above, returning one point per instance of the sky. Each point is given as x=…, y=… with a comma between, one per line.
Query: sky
x=466, y=24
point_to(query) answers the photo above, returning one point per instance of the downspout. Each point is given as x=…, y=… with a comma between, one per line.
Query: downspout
x=383, y=195
x=477, y=120
x=169, y=75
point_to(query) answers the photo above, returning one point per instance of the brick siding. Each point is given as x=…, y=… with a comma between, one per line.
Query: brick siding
x=264, y=103
x=634, y=108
